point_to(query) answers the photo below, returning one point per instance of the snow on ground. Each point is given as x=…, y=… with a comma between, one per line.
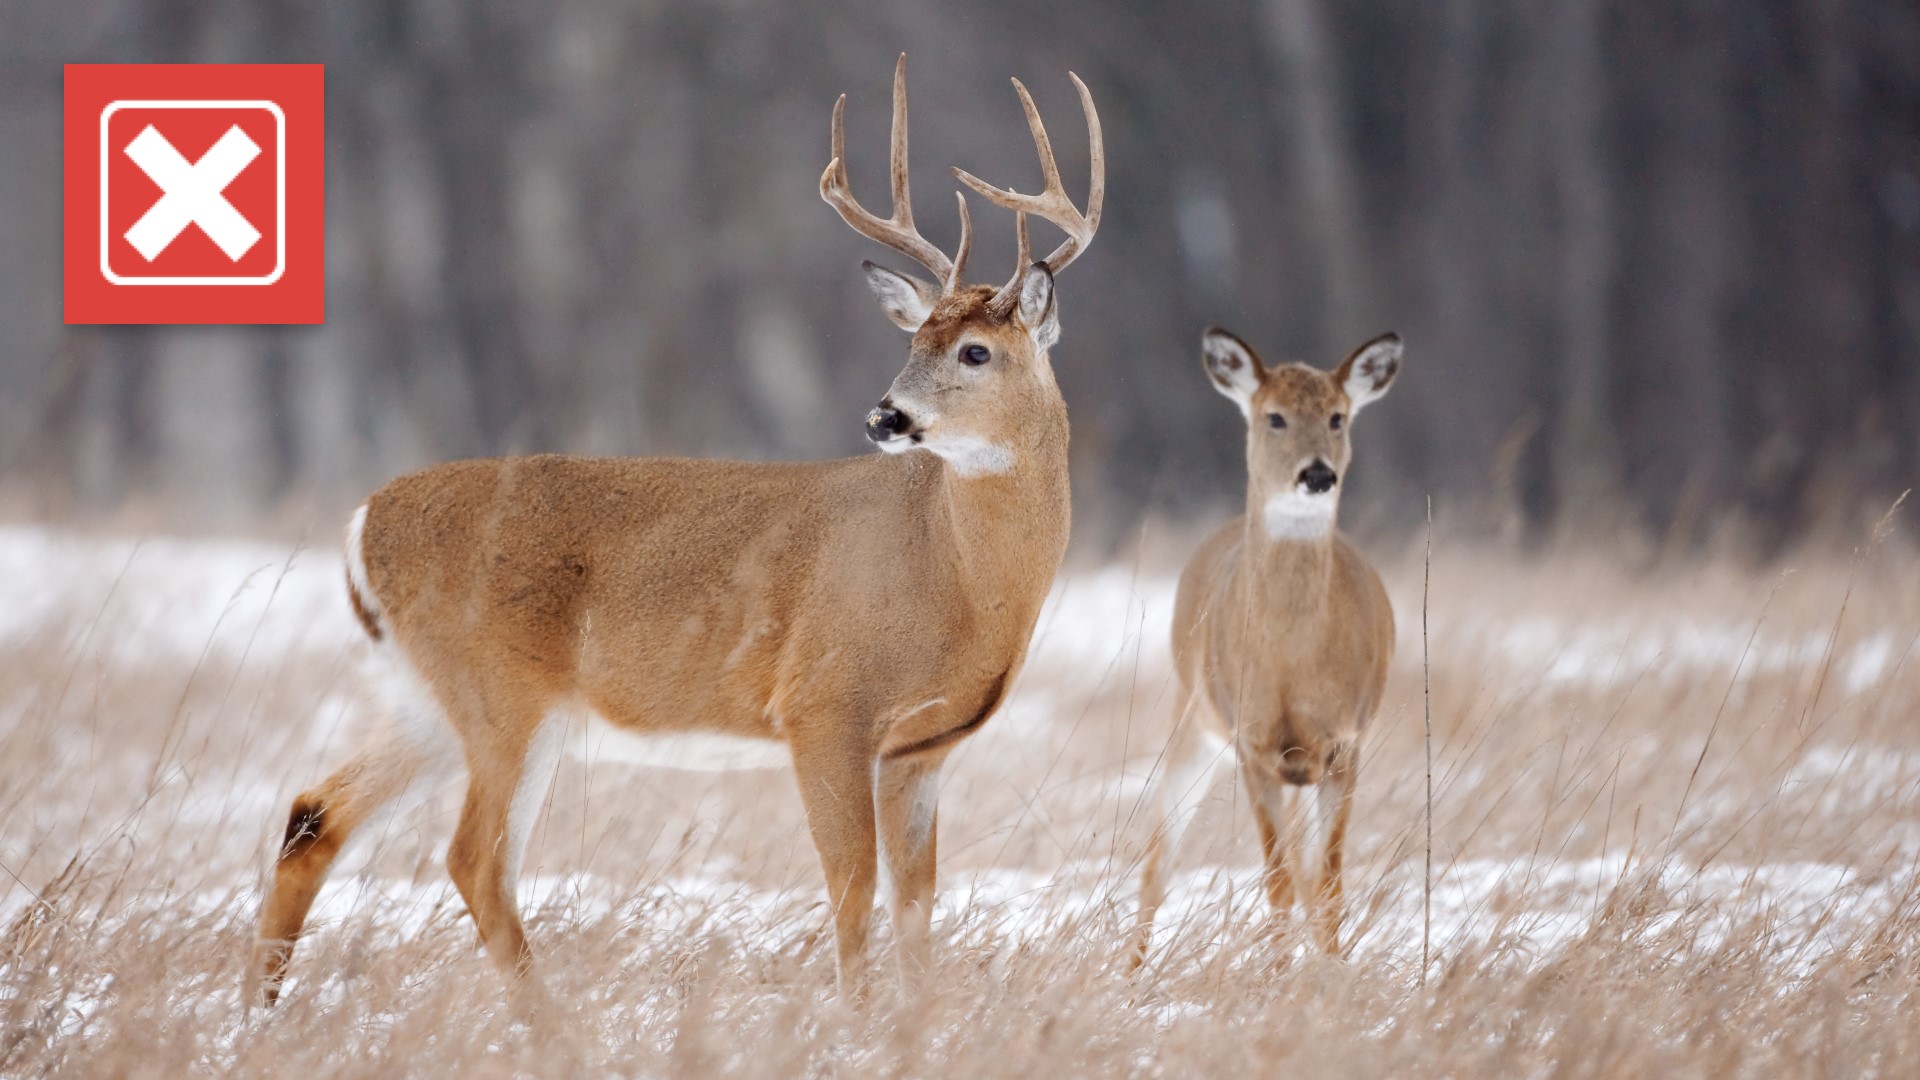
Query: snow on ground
x=165, y=602
x=159, y=599
x=1809, y=908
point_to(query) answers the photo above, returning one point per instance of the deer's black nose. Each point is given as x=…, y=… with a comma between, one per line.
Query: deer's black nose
x=1319, y=477
x=885, y=421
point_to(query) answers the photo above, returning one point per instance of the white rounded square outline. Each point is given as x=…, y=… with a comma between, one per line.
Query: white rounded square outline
x=280, y=191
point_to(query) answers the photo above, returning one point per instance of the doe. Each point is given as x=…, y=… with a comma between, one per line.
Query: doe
x=1281, y=634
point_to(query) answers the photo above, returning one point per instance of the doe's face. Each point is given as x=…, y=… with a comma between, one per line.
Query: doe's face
x=975, y=382
x=1299, y=420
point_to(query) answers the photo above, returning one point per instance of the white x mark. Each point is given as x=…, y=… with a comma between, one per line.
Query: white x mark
x=192, y=193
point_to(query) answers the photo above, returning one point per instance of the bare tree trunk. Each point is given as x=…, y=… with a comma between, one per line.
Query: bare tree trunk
x=1586, y=473
x=1298, y=35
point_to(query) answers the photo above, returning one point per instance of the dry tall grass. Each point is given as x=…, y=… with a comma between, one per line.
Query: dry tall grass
x=1677, y=831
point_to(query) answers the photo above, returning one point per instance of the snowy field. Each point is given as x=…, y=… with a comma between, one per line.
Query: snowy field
x=1676, y=832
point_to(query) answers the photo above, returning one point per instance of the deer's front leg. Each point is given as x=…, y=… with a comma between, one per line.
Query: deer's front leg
x=510, y=762
x=1270, y=818
x=907, y=791
x=1303, y=838
x=836, y=786
x=1336, y=808
x=1291, y=826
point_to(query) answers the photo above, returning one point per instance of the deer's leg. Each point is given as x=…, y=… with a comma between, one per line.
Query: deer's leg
x=907, y=793
x=836, y=780
x=1190, y=760
x=1336, y=809
x=323, y=819
x=1277, y=873
x=1287, y=824
x=509, y=766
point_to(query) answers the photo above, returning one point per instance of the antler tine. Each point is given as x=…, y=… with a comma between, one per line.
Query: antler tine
x=966, y=244
x=1096, y=161
x=897, y=148
x=897, y=232
x=1043, y=146
x=1052, y=203
x=1002, y=302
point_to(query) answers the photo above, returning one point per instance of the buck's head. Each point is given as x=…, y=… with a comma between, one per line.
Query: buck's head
x=1299, y=423
x=978, y=387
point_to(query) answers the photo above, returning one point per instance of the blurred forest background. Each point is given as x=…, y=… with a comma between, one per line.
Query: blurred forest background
x=1657, y=264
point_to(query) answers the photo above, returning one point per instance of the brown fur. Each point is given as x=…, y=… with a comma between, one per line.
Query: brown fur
x=995, y=693
x=1281, y=646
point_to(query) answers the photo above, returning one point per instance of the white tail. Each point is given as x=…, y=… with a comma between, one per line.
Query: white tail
x=859, y=617
x=1281, y=633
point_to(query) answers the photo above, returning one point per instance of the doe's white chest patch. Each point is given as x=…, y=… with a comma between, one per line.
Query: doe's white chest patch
x=694, y=751
x=1292, y=515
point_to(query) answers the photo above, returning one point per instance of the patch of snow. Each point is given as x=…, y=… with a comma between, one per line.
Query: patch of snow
x=163, y=600
x=1866, y=663
x=1604, y=653
x=1523, y=908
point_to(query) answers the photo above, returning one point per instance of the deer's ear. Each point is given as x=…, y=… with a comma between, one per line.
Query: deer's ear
x=1232, y=365
x=1039, y=311
x=907, y=300
x=1369, y=370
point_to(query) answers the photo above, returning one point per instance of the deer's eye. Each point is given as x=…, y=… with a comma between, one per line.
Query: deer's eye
x=1335, y=421
x=975, y=355
x=1276, y=421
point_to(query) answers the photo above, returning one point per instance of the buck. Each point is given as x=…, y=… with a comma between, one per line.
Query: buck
x=1281, y=634
x=855, y=618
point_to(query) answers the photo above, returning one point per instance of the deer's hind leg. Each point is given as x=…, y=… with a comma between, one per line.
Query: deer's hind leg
x=323, y=819
x=1191, y=756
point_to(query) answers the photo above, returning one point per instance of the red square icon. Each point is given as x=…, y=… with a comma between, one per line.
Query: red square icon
x=194, y=193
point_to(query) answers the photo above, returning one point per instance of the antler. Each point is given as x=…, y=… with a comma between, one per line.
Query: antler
x=1001, y=302
x=897, y=232
x=1052, y=203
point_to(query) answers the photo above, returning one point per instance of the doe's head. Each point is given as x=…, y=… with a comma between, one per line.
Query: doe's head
x=978, y=384
x=1299, y=423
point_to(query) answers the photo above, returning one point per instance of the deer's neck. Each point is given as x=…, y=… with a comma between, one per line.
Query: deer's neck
x=1009, y=528
x=1286, y=562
